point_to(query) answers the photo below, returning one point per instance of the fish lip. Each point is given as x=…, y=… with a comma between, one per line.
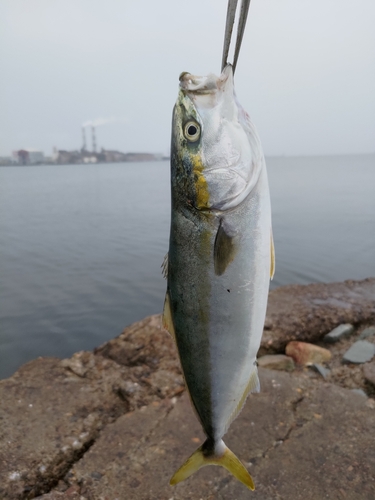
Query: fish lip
x=227, y=70
x=210, y=84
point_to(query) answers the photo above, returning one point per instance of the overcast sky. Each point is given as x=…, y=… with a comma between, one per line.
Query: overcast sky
x=306, y=72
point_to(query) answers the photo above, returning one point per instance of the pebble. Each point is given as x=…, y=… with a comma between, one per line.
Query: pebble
x=276, y=362
x=367, y=332
x=360, y=352
x=268, y=324
x=338, y=333
x=322, y=370
x=361, y=392
x=14, y=476
x=369, y=373
x=304, y=353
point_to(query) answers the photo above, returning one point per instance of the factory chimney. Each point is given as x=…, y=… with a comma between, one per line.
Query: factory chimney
x=93, y=139
x=84, y=146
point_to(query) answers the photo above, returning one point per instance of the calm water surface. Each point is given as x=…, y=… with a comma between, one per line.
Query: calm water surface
x=81, y=245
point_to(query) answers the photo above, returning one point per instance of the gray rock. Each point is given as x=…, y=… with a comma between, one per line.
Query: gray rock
x=277, y=362
x=367, y=332
x=361, y=392
x=360, y=352
x=322, y=370
x=338, y=333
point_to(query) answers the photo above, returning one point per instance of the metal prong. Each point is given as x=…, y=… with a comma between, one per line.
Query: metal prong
x=231, y=13
x=241, y=29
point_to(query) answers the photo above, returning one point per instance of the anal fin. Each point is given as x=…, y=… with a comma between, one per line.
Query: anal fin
x=253, y=385
x=273, y=263
x=167, y=320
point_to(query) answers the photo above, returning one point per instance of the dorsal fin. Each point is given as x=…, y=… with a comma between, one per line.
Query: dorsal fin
x=164, y=266
x=224, y=250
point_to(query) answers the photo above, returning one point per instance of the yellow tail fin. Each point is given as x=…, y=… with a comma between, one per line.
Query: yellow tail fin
x=209, y=454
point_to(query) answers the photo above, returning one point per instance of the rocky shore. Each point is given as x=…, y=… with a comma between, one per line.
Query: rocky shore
x=116, y=423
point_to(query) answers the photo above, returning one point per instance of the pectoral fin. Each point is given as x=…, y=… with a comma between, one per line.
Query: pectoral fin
x=273, y=264
x=206, y=455
x=224, y=250
x=167, y=320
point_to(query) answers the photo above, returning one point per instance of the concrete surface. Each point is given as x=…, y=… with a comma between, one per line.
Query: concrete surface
x=300, y=440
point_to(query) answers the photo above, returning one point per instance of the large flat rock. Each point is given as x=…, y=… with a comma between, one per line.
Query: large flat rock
x=49, y=417
x=52, y=411
x=116, y=423
x=300, y=439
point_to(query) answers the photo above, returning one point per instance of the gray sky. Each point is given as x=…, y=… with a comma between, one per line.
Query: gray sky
x=306, y=72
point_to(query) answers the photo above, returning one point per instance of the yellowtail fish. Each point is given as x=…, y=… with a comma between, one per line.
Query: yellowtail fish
x=220, y=259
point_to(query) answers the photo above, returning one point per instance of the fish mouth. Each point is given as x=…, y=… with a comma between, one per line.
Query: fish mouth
x=210, y=84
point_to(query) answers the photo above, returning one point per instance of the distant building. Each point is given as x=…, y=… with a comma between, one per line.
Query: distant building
x=35, y=156
x=6, y=160
x=63, y=157
x=28, y=157
x=112, y=156
x=82, y=156
x=90, y=158
x=21, y=156
x=140, y=157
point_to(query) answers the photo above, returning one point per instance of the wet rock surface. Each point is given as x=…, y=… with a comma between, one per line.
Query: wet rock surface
x=116, y=423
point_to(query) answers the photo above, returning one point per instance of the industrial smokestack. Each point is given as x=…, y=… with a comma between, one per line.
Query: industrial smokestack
x=84, y=146
x=93, y=139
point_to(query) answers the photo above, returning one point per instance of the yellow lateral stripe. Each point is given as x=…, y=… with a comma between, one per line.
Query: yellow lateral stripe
x=201, y=186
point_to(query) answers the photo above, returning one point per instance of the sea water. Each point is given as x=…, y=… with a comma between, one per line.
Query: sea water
x=81, y=245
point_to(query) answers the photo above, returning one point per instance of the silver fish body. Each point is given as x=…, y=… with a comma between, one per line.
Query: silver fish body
x=220, y=257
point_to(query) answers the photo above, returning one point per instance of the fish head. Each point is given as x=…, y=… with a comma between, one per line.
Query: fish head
x=213, y=143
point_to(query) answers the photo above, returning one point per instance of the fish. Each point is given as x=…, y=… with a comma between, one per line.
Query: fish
x=220, y=259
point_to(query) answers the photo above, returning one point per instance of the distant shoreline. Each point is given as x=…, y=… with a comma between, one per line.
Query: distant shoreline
x=52, y=164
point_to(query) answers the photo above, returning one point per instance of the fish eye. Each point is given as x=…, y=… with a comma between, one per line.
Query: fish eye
x=192, y=131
